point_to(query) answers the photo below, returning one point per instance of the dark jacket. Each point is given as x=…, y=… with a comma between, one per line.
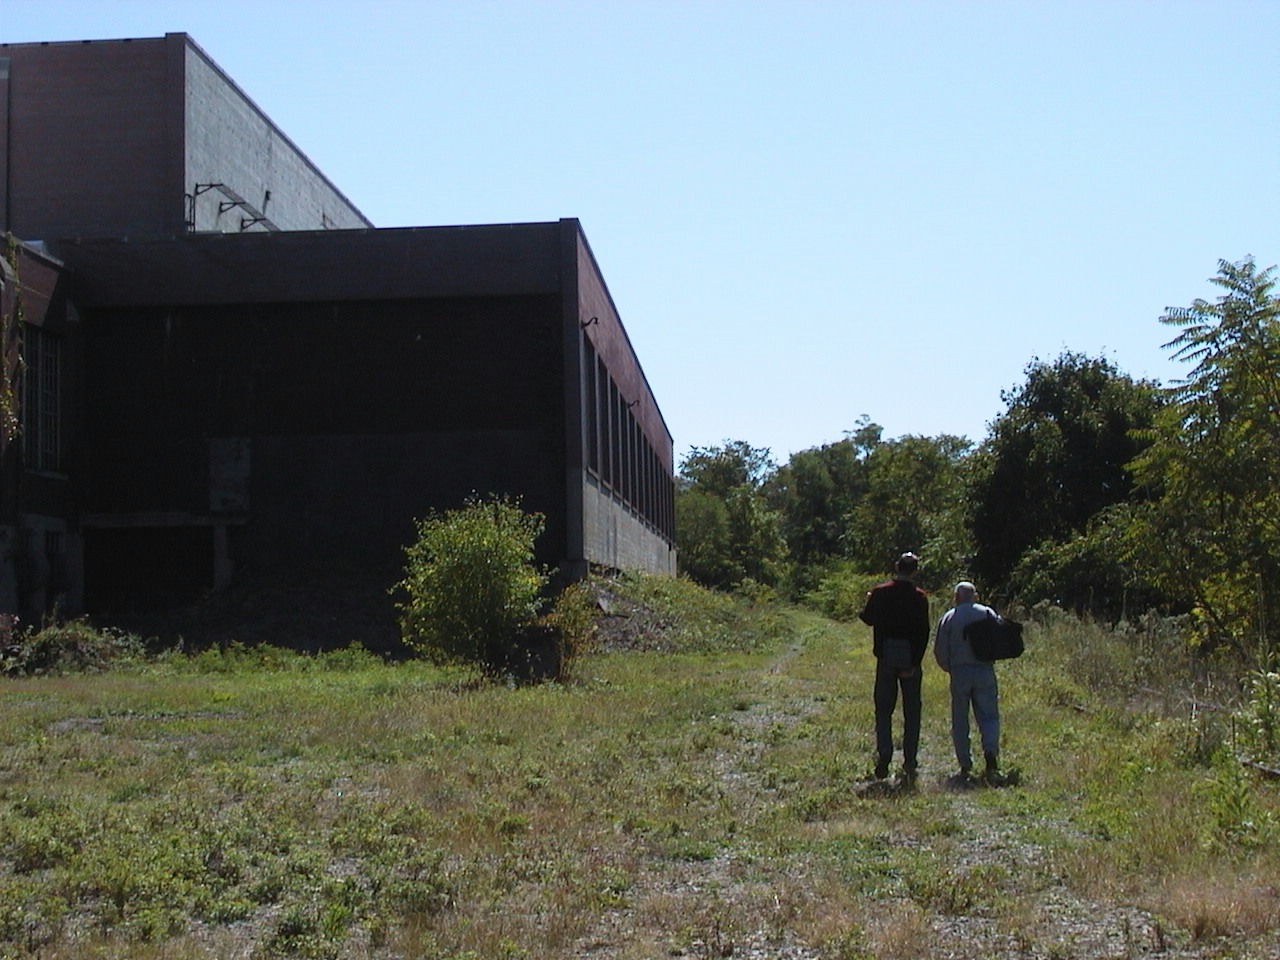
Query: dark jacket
x=898, y=608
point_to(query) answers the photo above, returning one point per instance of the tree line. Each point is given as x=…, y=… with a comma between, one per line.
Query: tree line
x=1094, y=491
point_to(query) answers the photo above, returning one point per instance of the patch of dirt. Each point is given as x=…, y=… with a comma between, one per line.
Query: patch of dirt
x=627, y=624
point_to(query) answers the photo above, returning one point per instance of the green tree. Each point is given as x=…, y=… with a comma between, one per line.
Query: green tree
x=1092, y=571
x=717, y=470
x=758, y=548
x=471, y=585
x=702, y=531
x=726, y=530
x=1211, y=530
x=813, y=493
x=1057, y=456
x=912, y=502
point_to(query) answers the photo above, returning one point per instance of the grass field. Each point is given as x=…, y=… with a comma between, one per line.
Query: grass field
x=706, y=797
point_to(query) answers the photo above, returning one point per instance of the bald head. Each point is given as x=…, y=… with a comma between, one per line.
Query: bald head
x=965, y=592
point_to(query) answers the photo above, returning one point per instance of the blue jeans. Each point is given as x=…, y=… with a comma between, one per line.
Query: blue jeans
x=888, y=683
x=974, y=685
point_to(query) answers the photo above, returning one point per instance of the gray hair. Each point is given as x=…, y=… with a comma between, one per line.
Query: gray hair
x=965, y=591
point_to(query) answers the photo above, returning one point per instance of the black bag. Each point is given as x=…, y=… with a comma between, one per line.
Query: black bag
x=895, y=653
x=995, y=638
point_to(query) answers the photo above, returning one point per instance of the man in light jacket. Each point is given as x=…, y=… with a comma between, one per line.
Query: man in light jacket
x=973, y=682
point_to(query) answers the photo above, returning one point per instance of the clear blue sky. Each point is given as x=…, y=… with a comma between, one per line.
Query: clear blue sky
x=806, y=211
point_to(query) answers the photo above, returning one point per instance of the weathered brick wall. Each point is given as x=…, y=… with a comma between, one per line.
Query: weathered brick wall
x=626, y=459
x=86, y=139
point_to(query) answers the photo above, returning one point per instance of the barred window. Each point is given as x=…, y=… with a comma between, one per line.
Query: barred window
x=42, y=400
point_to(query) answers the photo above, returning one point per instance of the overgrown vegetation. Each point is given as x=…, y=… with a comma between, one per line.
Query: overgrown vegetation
x=1093, y=491
x=74, y=646
x=10, y=348
x=695, y=791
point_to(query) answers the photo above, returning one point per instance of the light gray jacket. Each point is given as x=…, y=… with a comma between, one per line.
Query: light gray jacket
x=950, y=648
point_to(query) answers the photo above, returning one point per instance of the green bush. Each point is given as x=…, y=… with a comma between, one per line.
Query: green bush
x=841, y=592
x=75, y=646
x=471, y=586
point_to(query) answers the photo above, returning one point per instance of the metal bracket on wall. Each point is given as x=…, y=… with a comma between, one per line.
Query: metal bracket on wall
x=255, y=216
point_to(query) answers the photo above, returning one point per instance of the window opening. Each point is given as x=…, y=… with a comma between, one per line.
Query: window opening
x=41, y=401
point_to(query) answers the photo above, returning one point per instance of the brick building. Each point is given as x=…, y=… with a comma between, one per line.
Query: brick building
x=235, y=386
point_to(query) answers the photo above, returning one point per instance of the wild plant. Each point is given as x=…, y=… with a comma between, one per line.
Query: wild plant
x=841, y=592
x=71, y=646
x=1235, y=821
x=471, y=585
x=1259, y=718
x=572, y=620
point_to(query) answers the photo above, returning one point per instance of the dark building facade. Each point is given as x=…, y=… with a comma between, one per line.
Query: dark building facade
x=258, y=400
x=41, y=357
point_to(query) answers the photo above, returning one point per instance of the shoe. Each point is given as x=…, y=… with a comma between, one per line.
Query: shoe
x=882, y=768
x=909, y=774
x=992, y=772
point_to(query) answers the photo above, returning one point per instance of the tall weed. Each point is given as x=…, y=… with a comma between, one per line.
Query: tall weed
x=1260, y=716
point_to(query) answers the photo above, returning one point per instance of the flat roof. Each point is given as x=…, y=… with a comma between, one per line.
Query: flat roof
x=320, y=265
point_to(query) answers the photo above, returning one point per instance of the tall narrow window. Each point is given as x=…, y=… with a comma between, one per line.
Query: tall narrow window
x=615, y=438
x=602, y=421
x=650, y=483
x=41, y=401
x=633, y=462
x=632, y=475
x=591, y=412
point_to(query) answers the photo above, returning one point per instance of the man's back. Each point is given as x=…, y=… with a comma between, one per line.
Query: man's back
x=900, y=609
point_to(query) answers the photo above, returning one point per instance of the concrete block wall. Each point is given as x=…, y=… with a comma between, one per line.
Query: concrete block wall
x=617, y=538
x=229, y=141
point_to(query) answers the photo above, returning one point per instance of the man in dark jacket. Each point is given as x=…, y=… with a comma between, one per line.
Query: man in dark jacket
x=898, y=613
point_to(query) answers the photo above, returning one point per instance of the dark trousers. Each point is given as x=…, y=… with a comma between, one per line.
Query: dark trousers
x=888, y=682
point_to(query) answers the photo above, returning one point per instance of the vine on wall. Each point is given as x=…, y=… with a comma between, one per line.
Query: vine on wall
x=10, y=352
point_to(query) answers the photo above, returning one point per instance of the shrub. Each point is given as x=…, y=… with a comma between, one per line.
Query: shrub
x=573, y=621
x=841, y=592
x=471, y=585
x=75, y=646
